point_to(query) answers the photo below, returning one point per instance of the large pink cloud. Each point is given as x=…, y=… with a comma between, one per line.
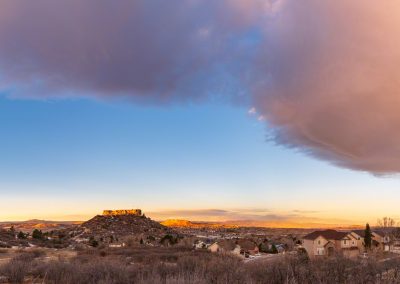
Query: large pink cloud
x=332, y=84
x=324, y=74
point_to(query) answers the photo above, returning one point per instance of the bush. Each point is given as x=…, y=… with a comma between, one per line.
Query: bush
x=177, y=265
x=21, y=235
x=37, y=234
x=93, y=242
x=16, y=270
x=274, y=249
x=56, y=272
x=169, y=240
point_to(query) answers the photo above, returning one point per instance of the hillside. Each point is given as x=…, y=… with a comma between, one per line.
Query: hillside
x=114, y=227
x=177, y=223
x=44, y=225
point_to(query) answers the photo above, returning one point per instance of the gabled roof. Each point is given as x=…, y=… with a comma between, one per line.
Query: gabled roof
x=227, y=245
x=327, y=234
x=379, y=232
x=361, y=233
x=246, y=244
x=329, y=243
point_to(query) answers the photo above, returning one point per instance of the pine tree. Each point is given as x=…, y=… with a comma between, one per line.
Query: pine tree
x=21, y=235
x=274, y=249
x=367, y=237
x=93, y=242
x=37, y=234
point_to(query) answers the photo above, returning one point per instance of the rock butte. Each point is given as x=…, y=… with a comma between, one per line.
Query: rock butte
x=135, y=212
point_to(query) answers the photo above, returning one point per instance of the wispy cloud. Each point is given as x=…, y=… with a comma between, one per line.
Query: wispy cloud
x=252, y=111
x=224, y=215
x=306, y=211
x=191, y=213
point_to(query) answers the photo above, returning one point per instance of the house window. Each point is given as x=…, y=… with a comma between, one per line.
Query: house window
x=319, y=242
x=344, y=242
x=352, y=242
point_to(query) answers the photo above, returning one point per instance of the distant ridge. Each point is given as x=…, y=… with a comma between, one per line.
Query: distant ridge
x=180, y=223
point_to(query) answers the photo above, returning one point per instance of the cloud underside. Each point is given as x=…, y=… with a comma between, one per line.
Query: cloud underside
x=323, y=75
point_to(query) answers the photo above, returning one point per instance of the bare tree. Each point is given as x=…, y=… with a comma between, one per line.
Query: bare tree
x=386, y=224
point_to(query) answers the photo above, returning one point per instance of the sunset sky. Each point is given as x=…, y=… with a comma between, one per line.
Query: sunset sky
x=282, y=112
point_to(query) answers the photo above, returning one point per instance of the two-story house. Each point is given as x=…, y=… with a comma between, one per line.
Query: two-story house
x=380, y=240
x=330, y=242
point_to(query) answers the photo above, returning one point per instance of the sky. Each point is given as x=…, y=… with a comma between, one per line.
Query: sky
x=202, y=110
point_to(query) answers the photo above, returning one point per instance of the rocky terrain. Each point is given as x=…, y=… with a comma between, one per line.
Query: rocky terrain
x=123, y=225
x=44, y=225
x=114, y=227
x=119, y=227
x=136, y=212
x=8, y=239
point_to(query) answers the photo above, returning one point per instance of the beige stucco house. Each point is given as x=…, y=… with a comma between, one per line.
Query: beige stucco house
x=380, y=240
x=330, y=242
x=241, y=247
x=225, y=246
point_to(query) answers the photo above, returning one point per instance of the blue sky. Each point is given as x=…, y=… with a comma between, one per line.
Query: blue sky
x=69, y=159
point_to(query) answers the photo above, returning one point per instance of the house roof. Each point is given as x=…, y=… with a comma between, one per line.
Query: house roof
x=361, y=233
x=327, y=234
x=379, y=232
x=246, y=244
x=329, y=243
x=227, y=245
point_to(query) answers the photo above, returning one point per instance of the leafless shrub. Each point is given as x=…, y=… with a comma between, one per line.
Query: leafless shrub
x=175, y=266
x=35, y=253
x=76, y=272
x=55, y=272
x=16, y=269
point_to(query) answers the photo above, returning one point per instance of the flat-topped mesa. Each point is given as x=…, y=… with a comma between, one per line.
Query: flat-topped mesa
x=135, y=212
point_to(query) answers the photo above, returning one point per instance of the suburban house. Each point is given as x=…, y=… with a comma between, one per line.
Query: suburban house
x=380, y=240
x=280, y=248
x=225, y=246
x=330, y=242
x=395, y=247
x=200, y=245
x=242, y=247
x=247, y=247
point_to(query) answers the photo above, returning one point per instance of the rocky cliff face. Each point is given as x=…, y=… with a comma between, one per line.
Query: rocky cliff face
x=134, y=212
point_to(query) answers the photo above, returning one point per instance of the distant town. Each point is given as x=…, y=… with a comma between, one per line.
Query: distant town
x=129, y=241
x=121, y=228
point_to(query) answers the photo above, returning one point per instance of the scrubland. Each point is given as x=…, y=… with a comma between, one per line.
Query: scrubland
x=181, y=265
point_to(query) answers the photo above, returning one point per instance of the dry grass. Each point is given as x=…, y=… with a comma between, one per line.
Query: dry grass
x=175, y=265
